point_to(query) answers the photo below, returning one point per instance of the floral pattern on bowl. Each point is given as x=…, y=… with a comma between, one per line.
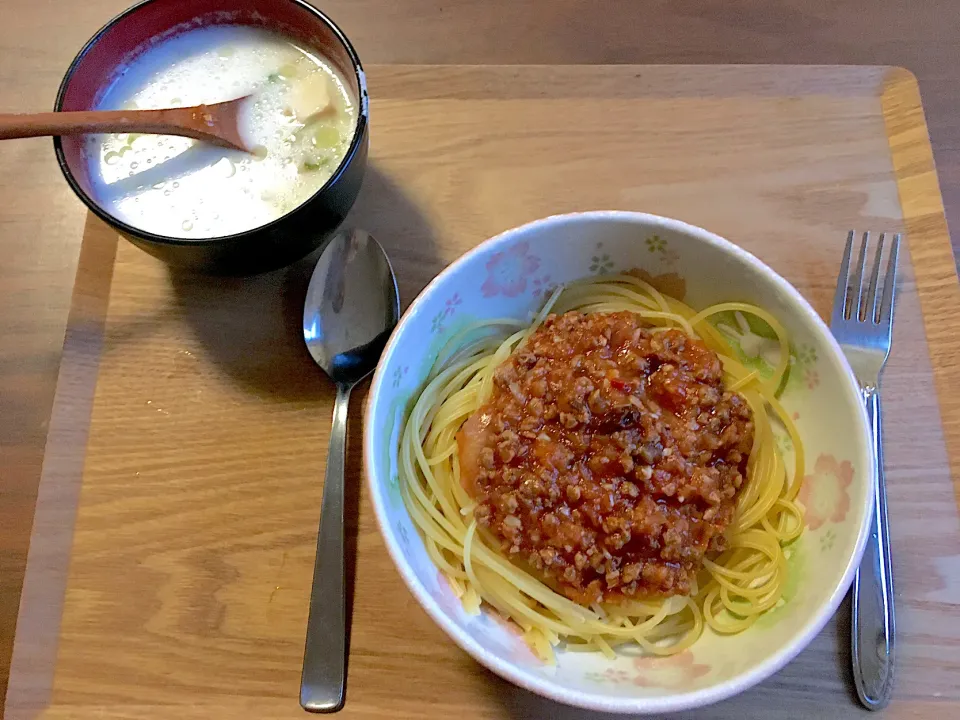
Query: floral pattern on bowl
x=824, y=493
x=509, y=276
x=508, y=270
x=672, y=671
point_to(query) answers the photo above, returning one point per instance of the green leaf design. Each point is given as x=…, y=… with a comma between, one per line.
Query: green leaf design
x=795, y=566
x=404, y=403
x=392, y=419
x=757, y=325
x=601, y=263
x=827, y=540
x=738, y=328
x=796, y=562
x=783, y=440
x=806, y=354
x=656, y=244
x=751, y=362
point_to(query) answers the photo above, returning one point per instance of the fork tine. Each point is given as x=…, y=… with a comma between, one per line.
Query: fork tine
x=870, y=302
x=840, y=298
x=857, y=285
x=889, y=284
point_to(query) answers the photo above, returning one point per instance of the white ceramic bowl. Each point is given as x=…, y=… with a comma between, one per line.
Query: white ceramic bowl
x=508, y=276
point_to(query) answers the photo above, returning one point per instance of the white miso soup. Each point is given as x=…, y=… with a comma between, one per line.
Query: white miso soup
x=299, y=123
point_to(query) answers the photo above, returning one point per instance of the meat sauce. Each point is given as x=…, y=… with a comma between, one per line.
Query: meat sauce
x=609, y=457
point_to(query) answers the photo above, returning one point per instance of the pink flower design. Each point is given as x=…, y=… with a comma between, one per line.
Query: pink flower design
x=507, y=271
x=518, y=651
x=824, y=493
x=542, y=286
x=812, y=378
x=452, y=303
x=617, y=677
x=398, y=375
x=674, y=671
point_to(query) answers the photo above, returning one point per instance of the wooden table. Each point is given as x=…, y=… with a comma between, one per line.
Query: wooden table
x=175, y=525
x=41, y=223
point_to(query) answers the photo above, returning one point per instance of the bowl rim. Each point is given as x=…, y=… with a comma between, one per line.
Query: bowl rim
x=550, y=689
x=363, y=119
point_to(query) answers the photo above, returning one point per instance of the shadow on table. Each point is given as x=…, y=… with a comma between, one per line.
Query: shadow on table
x=521, y=704
x=842, y=618
x=252, y=326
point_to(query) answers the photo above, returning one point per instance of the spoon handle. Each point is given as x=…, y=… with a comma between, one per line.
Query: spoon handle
x=324, y=658
x=216, y=123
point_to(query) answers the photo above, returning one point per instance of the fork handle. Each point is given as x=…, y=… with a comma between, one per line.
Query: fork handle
x=872, y=626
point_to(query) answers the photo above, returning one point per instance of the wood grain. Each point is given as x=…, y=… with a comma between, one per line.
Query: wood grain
x=41, y=223
x=182, y=589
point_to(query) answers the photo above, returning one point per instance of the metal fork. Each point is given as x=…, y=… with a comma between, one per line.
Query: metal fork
x=863, y=328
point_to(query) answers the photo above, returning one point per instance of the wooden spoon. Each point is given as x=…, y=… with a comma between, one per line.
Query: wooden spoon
x=215, y=124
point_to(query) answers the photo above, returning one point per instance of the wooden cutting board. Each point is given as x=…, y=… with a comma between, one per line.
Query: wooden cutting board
x=173, y=545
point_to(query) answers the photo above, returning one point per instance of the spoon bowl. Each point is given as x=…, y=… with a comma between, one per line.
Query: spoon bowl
x=351, y=308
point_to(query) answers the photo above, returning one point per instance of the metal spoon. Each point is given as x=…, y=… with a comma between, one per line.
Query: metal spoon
x=351, y=308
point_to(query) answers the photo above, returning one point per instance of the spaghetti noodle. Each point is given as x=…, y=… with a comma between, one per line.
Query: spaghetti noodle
x=733, y=587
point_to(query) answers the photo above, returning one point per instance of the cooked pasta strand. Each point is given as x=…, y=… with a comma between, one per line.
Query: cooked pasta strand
x=734, y=588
